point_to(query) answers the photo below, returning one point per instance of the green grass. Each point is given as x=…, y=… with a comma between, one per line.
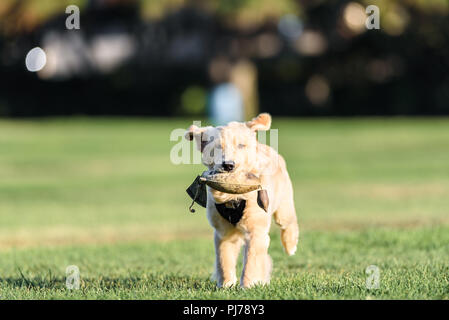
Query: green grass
x=102, y=194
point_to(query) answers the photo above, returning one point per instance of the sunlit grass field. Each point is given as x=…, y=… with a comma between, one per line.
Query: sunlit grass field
x=103, y=195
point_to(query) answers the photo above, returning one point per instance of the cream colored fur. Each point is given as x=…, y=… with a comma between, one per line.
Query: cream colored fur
x=237, y=142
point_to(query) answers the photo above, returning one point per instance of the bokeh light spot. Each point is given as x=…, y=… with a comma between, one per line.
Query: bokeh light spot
x=311, y=43
x=290, y=26
x=35, y=59
x=317, y=89
x=354, y=17
x=396, y=20
x=193, y=100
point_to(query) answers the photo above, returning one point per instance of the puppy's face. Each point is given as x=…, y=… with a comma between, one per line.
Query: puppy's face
x=229, y=148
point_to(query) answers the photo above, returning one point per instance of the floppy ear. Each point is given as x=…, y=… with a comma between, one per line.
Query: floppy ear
x=191, y=132
x=261, y=122
x=195, y=132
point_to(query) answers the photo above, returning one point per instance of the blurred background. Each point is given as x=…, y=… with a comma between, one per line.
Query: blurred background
x=176, y=57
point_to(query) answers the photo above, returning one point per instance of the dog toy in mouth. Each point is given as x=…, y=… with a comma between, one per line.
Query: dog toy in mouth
x=231, y=182
x=228, y=183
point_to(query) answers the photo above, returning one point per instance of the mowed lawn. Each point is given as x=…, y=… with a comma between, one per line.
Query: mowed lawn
x=103, y=195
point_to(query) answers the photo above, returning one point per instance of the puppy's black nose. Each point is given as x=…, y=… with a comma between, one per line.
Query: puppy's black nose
x=228, y=165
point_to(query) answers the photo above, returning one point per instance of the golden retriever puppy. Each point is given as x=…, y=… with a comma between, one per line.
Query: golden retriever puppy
x=245, y=218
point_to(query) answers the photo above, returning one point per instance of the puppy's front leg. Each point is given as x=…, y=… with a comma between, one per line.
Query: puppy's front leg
x=227, y=249
x=257, y=262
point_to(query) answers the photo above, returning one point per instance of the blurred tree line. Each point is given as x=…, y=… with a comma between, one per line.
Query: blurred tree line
x=162, y=57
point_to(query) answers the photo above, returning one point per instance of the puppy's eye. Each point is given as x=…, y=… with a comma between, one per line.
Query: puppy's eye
x=241, y=146
x=205, y=142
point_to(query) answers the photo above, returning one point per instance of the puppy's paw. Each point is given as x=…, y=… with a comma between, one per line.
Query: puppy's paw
x=291, y=251
x=253, y=283
x=289, y=238
x=229, y=284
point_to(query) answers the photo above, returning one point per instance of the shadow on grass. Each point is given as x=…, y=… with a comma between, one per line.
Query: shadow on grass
x=145, y=282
